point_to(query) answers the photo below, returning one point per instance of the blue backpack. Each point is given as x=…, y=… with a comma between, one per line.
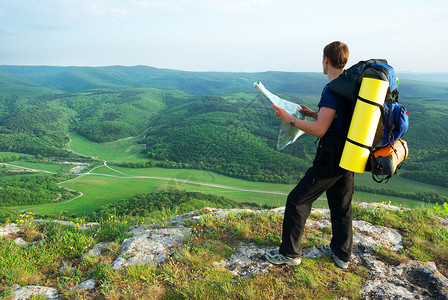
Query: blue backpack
x=394, y=121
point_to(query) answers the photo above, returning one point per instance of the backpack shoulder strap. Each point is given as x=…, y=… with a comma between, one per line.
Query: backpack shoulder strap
x=347, y=84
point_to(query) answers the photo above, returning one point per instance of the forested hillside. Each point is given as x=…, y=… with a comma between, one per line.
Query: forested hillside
x=233, y=135
x=206, y=120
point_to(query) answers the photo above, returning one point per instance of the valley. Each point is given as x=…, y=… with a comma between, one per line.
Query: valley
x=102, y=183
x=97, y=136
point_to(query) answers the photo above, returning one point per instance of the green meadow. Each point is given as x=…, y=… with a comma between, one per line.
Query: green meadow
x=105, y=184
x=118, y=151
x=48, y=167
x=99, y=189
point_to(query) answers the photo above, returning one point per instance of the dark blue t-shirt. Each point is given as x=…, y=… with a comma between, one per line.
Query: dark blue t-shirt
x=342, y=117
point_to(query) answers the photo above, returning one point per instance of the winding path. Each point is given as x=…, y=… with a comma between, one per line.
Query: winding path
x=128, y=176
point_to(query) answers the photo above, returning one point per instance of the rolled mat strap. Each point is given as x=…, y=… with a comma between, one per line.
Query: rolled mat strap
x=369, y=102
x=357, y=144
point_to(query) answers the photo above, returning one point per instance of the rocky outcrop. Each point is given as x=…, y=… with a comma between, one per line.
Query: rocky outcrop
x=150, y=245
x=27, y=292
x=9, y=229
x=411, y=280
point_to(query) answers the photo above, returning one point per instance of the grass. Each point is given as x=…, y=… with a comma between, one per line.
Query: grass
x=62, y=261
x=99, y=190
x=400, y=184
x=54, y=168
x=119, y=151
x=425, y=238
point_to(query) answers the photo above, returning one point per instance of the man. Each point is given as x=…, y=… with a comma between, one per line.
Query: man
x=331, y=125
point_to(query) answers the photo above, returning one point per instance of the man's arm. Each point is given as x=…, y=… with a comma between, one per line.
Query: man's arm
x=318, y=128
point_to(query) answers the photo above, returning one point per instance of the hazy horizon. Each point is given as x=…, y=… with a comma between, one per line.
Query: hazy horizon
x=405, y=73
x=222, y=35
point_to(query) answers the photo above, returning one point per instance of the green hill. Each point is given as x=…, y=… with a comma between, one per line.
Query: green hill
x=11, y=86
x=206, y=120
x=77, y=79
x=234, y=135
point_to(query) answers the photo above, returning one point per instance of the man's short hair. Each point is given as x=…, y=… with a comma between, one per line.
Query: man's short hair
x=337, y=52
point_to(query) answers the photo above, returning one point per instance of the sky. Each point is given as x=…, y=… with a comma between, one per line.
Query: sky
x=223, y=35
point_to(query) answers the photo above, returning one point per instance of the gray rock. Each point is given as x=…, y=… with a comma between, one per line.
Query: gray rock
x=247, y=261
x=312, y=252
x=379, y=206
x=150, y=246
x=370, y=235
x=86, y=285
x=318, y=224
x=21, y=242
x=209, y=212
x=222, y=213
x=26, y=292
x=380, y=290
x=96, y=250
x=9, y=229
x=443, y=220
x=412, y=280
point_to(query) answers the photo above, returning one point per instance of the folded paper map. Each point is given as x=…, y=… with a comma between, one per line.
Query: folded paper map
x=288, y=134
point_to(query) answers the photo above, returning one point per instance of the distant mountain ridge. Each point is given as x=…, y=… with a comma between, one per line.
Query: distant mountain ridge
x=77, y=79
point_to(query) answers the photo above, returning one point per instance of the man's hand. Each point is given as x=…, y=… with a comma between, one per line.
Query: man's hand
x=308, y=112
x=282, y=114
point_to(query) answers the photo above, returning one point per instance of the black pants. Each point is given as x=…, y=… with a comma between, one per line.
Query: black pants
x=324, y=175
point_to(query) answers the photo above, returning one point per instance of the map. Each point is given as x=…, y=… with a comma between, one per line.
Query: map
x=288, y=134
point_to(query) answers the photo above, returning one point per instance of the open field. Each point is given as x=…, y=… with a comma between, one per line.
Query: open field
x=127, y=150
x=118, y=151
x=52, y=168
x=99, y=189
x=103, y=184
x=400, y=184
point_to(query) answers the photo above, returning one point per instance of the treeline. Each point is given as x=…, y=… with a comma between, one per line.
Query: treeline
x=106, y=117
x=233, y=136
x=26, y=143
x=169, y=202
x=28, y=125
x=429, y=197
x=257, y=173
x=31, y=189
x=433, y=176
x=14, y=157
x=39, y=125
x=427, y=139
